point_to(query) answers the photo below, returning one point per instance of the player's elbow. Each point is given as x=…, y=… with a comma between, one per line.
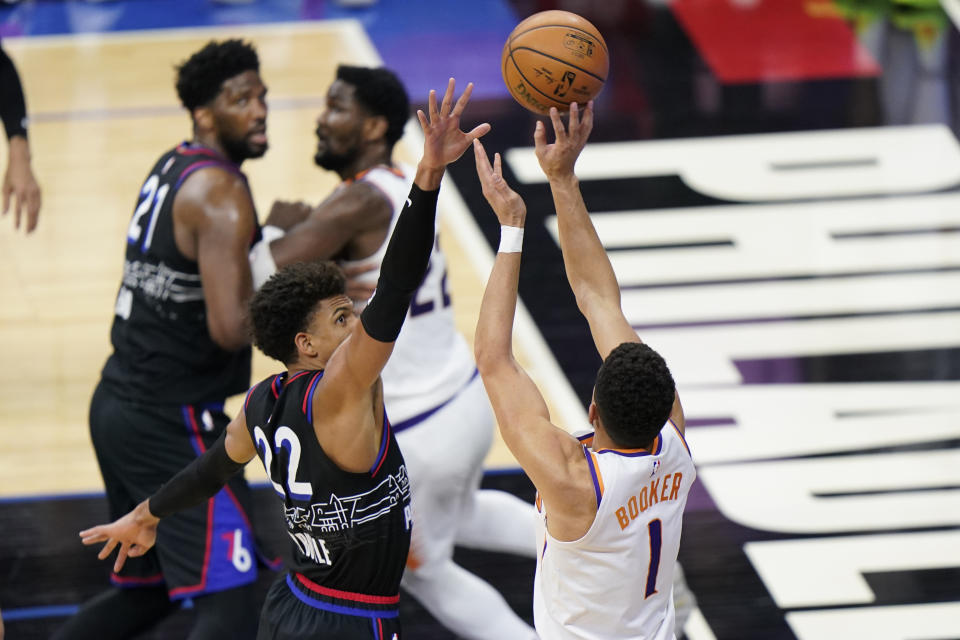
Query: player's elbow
x=231, y=335
x=488, y=358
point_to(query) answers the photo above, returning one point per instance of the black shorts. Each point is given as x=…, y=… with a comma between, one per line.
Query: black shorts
x=139, y=447
x=295, y=610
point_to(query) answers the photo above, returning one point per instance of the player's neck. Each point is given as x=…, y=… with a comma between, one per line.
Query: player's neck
x=298, y=367
x=372, y=156
x=211, y=143
x=603, y=441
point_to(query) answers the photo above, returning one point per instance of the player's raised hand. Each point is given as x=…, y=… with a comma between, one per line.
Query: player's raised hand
x=135, y=532
x=506, y=203
x=443, y=141
x=558, y=159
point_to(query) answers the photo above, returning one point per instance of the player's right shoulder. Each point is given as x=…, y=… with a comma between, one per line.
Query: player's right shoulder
x=212, y=179
x=211, y=190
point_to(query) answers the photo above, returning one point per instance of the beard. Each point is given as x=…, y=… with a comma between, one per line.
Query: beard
x=240, y=149
x=335, y=162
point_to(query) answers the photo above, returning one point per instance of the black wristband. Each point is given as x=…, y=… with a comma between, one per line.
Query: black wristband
x=404, y=266
x=13, y=110
x=196, y=482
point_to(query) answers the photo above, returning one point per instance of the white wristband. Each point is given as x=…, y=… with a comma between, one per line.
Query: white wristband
x=271, y=232
x=262, y=265
x=511, y=239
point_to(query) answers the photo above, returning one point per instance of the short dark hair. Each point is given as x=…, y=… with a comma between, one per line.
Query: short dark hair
x=381, y=93
x=634, y=394
x=200, y=78
x=283, y=306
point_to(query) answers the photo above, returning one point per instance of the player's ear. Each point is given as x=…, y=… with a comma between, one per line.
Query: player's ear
x=304, y=344
x=202, y=118
x=374, y=128
x=592, y=414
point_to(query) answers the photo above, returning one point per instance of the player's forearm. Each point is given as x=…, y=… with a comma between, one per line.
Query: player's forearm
x=493, y=343
x=404, y=264
x=587, y=264
x=195, y=483
x=13, y=110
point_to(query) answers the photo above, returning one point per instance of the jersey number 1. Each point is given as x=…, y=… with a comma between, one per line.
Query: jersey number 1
x=655, y=529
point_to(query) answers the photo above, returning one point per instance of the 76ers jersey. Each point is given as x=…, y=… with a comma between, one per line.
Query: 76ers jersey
x=349, y=531
x=162, y=349
x=431, y=361
x=616, y=582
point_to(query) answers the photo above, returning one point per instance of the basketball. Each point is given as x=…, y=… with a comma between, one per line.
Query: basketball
x=554, y=58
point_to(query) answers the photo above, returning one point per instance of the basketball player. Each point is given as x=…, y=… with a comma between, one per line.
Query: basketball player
x=320, y=428
x=18, y=181
x=611, y=504
x=180, y=346
x=431, y=389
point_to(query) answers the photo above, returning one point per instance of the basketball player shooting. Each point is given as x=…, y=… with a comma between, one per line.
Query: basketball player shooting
x=320, y=428
x=615, y=497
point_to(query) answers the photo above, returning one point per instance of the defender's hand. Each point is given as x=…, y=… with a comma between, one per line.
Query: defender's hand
x=443, y=141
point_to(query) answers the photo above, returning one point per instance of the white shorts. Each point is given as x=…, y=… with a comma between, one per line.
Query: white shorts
x=444, y=455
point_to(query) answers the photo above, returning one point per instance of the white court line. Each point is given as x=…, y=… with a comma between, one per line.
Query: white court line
x=697, y=627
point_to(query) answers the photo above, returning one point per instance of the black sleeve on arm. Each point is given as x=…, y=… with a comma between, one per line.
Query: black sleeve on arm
x=199, y=480
x=13, y=110
x=404, y=266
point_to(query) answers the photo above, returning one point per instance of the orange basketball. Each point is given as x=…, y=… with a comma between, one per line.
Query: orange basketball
x=554, y=58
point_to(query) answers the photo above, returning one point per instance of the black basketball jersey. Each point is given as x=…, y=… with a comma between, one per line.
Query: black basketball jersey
x=163, y=351
x=349, y=531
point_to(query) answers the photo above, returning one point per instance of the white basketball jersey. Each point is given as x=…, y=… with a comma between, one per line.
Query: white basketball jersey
x=431, y=361
x=616, y=582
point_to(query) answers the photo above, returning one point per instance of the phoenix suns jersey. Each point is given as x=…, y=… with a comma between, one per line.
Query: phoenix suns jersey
x=616, y=581
x=349, y=532
x=162, y=349
x=431, y=361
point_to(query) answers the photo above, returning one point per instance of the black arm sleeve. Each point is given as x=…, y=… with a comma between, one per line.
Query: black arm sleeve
x=13, y=110
x=404, y=266
x=198, y=481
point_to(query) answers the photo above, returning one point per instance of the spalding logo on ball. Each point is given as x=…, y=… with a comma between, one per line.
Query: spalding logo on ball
x=554, y=58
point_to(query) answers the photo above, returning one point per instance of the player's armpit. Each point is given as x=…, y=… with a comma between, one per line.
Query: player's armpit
x=238, y=443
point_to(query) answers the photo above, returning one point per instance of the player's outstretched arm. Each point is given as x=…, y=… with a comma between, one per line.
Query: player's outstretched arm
x=552, y=458
x=588, y=267
x=356, y=365
x=136, y=532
